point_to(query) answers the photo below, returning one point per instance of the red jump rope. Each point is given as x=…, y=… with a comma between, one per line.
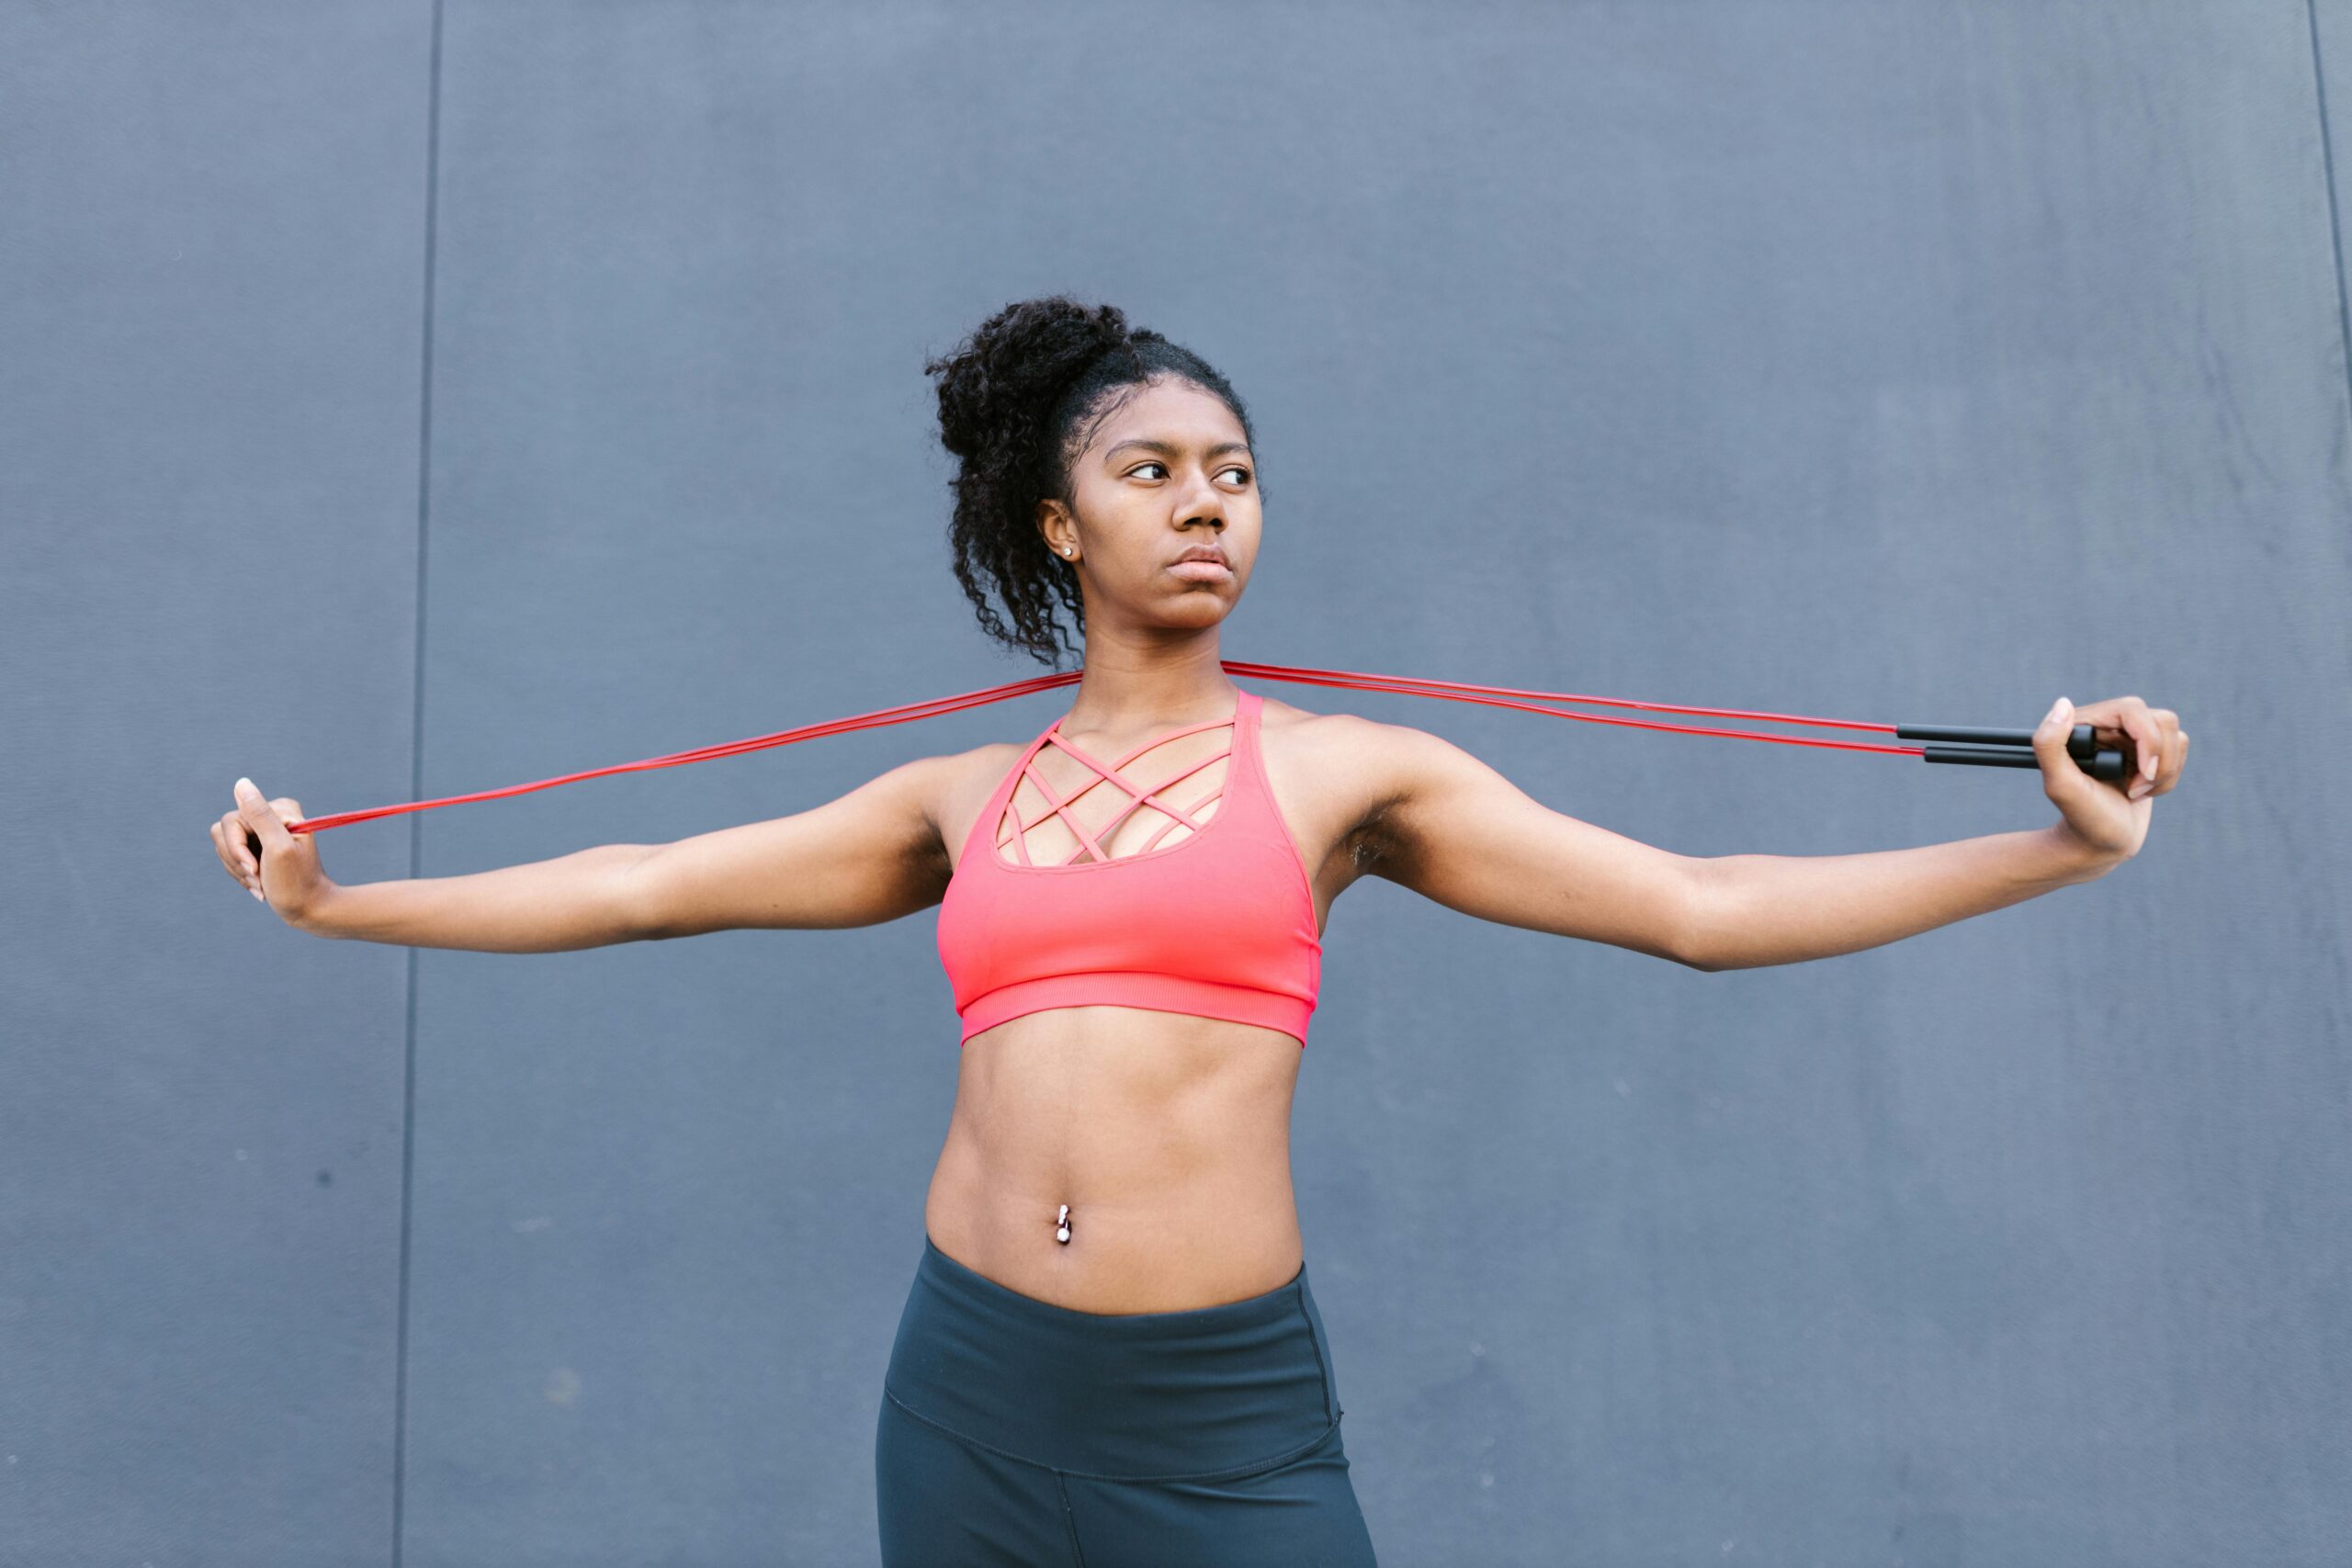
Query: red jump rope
x=1945, y=742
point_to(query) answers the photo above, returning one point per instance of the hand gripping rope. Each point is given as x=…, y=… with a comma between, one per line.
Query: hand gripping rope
x=1946, y=742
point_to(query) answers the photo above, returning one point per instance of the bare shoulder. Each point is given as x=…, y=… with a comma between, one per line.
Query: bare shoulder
x=1342, y=771
x=1430, y=816
x=1337, y=739
x=960, y=783
x=1394, y=783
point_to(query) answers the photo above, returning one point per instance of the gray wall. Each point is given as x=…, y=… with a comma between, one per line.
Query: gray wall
x=405, y=399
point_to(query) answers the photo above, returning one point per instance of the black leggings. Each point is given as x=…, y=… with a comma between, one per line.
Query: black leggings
x=1016, y=1432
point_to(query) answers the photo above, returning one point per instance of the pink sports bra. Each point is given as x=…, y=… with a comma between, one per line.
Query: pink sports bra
x=1220, y=924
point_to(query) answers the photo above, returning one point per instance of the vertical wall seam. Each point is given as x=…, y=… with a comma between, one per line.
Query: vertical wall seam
x=416, y=772
x=2334, y=221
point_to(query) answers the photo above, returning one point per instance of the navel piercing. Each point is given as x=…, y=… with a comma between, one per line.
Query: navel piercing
x=1061, y=1225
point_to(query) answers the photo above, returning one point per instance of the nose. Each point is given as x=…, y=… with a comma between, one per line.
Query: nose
x=1199, y=502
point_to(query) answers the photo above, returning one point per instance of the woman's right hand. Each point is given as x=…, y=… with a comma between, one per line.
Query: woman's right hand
x=276, y=866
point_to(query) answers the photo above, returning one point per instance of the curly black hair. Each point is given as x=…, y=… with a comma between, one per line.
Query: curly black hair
x=1018, y=401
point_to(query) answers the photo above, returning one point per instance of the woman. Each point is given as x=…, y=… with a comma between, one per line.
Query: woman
x=1111, y=1355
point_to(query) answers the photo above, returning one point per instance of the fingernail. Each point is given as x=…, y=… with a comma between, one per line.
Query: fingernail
x=256, y=892
x=2140, y=788
x=2148, y=765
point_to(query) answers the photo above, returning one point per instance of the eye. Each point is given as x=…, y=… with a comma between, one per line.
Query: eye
x=1137, y=471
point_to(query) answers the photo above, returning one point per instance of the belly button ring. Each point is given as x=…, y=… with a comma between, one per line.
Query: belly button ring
x=1061, y=1227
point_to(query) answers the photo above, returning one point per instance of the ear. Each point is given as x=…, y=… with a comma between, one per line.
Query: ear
x=1059, y=528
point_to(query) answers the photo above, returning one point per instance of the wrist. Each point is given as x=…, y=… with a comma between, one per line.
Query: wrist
x=313, y=917
x=2081, y=859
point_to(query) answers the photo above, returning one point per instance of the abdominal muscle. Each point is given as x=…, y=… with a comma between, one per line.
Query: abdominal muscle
x=1167, y=1136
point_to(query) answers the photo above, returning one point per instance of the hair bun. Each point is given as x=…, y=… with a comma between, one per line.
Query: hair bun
x=1015, y=365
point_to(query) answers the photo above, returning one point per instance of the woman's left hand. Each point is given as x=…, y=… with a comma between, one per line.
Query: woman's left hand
x=2111, y=820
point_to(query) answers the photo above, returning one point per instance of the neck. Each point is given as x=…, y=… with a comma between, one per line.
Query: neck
x=1127, y=689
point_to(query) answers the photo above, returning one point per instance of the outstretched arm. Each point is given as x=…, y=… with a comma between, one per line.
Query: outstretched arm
x=1760, y=909
x=1453, y=830
x=1457, y=831
x=871, y=855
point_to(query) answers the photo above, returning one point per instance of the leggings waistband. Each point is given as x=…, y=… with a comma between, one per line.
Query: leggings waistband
x=1212, y=1391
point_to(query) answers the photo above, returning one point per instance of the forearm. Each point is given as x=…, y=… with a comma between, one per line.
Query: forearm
x=551, y=905
x=1762, y=910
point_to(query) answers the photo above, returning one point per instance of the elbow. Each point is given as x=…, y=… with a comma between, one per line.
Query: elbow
x=1696, y=944
x=633, y=906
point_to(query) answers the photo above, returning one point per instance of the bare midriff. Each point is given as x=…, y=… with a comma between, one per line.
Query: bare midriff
x=1166, y=1135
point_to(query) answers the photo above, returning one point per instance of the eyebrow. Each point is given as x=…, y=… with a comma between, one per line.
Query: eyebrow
x=1166, y=450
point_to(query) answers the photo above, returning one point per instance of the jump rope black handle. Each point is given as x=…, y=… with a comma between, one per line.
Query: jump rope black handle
x=2010, y=748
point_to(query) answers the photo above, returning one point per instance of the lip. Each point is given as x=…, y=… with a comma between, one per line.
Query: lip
x=1203, y=555
x=1201, y=568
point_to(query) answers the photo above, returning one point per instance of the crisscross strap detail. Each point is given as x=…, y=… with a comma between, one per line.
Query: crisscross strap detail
x=1090, y=844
